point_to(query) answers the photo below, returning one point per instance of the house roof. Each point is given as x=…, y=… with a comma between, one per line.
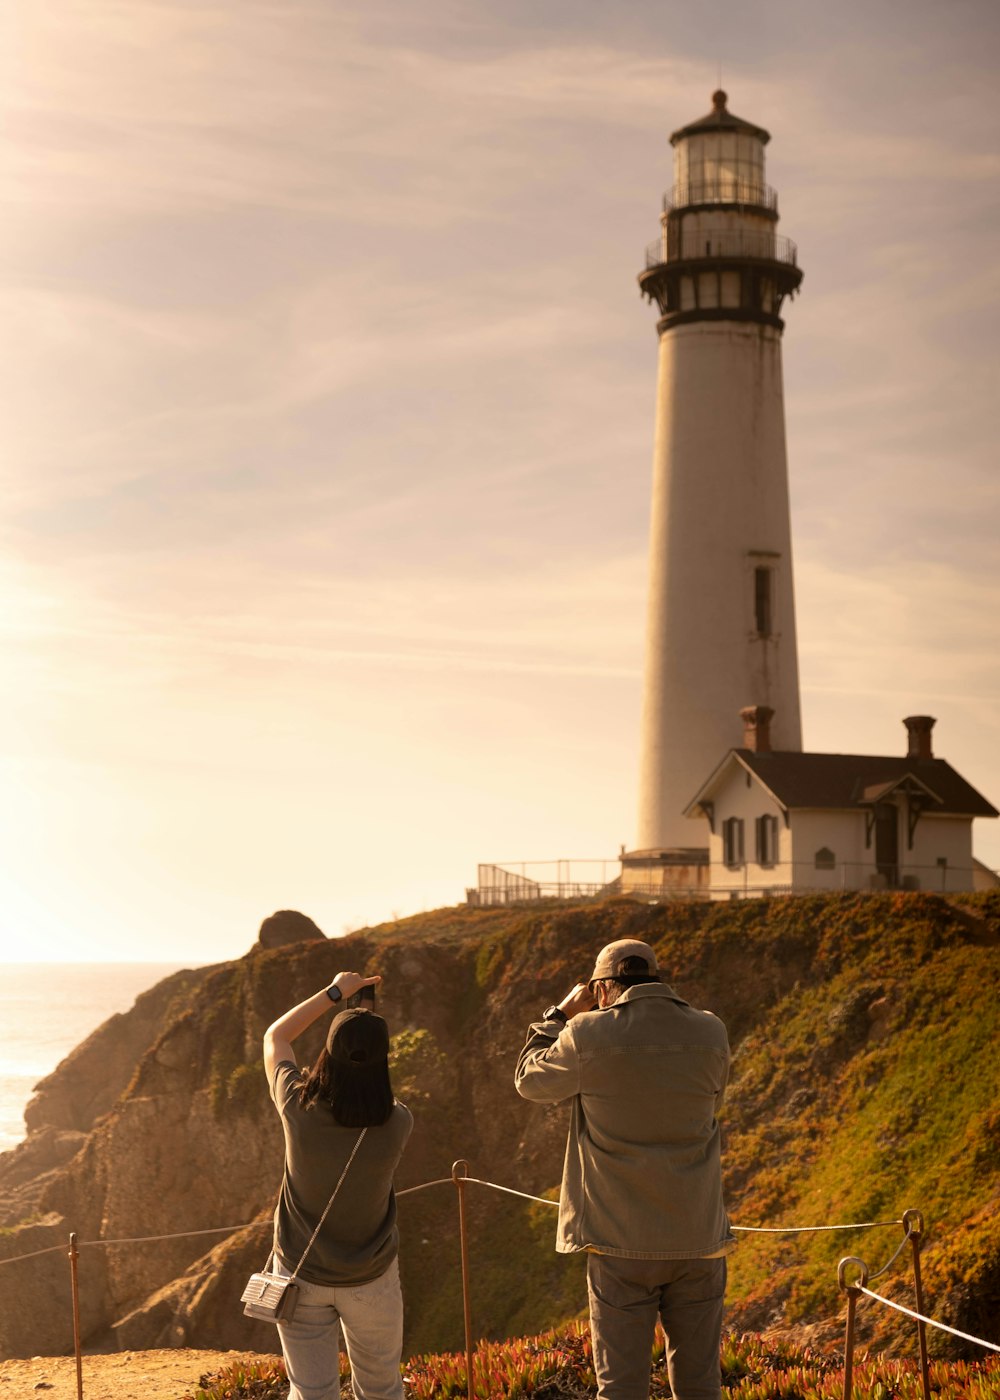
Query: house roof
x=845, y=781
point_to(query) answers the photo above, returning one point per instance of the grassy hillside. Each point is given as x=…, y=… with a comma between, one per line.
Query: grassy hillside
x=874, y=1088
x=865, y=1032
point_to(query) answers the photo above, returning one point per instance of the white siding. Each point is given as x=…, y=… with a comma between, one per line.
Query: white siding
x=843, y=833
x=810, y=831
x=734, y=798
x=939, y=838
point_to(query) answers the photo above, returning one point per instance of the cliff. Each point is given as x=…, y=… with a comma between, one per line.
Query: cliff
x=864, y=1082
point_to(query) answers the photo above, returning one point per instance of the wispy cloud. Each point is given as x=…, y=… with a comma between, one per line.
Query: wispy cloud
x=330, y=402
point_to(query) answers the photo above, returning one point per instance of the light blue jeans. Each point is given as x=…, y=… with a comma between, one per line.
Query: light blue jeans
x=372, y=1318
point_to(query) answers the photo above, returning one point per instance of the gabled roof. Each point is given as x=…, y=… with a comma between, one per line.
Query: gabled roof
x=850, y=781
x=905, y=784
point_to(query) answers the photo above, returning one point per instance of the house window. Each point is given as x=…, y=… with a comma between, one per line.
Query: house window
x=767, y=840
x=763, y=579
x=732, y=841
x=825, y=859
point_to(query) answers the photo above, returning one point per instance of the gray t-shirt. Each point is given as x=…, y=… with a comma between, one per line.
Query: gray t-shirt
x=359, y=1238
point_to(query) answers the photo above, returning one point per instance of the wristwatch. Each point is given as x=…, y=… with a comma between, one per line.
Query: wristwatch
x=334, y=993
x=555, y=1013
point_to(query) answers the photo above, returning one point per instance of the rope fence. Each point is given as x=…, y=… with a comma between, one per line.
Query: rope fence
x=509, y=1191
x=150, y=1239
x=809, y=1229
x=911, y=1220
x=919, y=1317
x=441, y=1181
x=913, y=1227
x=907, y=1232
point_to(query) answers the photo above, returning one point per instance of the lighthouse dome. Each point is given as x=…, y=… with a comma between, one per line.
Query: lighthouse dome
x=720, y=119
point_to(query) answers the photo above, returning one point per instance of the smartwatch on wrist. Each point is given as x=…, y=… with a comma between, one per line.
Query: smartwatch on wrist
x=555, y=1013
x=334, y=993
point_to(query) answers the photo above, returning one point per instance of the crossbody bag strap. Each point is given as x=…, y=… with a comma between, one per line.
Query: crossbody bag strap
x=354, y=1152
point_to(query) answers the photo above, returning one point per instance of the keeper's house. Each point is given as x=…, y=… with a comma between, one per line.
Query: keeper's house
x=819, y=821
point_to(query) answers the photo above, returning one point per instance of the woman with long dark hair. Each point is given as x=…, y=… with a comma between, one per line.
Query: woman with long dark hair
x=350, y=1276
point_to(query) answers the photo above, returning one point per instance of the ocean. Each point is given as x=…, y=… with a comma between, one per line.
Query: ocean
x=48, y=1008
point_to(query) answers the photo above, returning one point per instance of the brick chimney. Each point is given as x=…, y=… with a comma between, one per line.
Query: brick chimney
x=757, y=728
x=918, y=729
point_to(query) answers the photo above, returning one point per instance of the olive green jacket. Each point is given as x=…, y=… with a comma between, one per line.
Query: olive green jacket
x=642, y=1177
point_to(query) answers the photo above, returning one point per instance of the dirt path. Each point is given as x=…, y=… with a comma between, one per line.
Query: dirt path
x=125, y=1375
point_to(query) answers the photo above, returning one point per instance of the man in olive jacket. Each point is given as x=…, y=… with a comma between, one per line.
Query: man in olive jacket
x=642, y=1179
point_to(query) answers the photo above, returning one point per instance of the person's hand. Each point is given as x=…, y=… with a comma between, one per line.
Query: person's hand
x=581, y=998
x=351, y=982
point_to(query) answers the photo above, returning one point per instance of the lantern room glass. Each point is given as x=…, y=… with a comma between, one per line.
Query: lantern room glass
x=719, y=167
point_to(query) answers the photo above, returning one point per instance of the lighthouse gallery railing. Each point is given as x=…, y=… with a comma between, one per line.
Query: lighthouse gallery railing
x=723, y=189
x=762, y=246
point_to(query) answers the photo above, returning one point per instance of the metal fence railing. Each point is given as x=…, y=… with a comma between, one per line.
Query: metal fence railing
x=722, y=189
x=517, y=882
x=760, y=246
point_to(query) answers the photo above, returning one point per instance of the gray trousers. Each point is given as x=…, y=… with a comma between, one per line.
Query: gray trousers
x=627, y=1296
x=371, y=1317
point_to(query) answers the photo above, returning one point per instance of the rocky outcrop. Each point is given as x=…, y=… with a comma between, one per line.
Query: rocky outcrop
x=86, y=1085
x=288, y=926
x=190, y=1142
x=160, y=1124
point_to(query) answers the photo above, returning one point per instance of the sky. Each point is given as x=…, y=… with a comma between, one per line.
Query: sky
x=328, y=428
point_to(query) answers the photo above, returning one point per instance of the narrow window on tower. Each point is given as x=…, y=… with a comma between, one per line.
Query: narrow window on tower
x=762, y=601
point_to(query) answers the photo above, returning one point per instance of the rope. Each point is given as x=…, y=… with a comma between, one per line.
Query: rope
x=441, y=1181
x=181, y=1235
x=137, y=1239
x=35, y=1254
x=810, y=1229
x=929, y=1320
x=232, y=1229
x=447, y=1181
x=741, y=1229
x=889, y=1263
x=543, y=1200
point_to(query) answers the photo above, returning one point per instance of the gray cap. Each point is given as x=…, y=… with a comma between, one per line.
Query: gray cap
x=610, y=958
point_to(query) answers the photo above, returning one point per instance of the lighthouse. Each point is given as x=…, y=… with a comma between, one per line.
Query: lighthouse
x=721, y=618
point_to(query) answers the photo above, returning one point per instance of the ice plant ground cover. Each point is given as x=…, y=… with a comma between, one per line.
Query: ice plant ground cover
x=558, y=1366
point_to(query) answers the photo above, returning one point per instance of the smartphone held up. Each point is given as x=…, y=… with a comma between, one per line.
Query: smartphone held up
x=365, y=998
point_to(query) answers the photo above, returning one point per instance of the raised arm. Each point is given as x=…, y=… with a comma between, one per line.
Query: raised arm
x=279, y=1035
x=548, y=1069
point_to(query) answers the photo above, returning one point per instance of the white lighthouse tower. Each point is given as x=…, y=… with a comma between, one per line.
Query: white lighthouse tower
x=721, y=621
